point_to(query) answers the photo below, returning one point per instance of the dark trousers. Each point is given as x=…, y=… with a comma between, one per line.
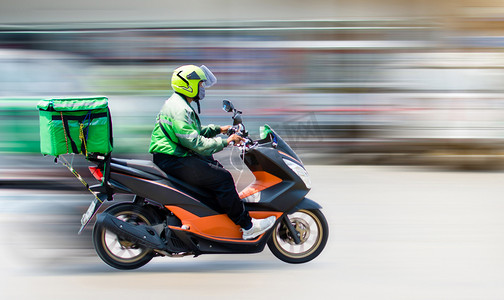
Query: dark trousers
x=208, y=174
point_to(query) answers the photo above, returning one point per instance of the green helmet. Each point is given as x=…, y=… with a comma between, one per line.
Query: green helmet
x=185, y=80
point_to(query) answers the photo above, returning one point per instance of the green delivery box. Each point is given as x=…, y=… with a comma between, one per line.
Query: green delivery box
x=75, y=125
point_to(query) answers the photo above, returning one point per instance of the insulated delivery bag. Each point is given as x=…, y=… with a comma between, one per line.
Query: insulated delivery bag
x=75, y=125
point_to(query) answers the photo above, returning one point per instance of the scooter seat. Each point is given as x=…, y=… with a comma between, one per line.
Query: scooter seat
x=143, y=165
x=151, y=168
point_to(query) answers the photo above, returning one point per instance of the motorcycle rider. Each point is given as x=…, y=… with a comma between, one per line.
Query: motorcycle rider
x=182, y=148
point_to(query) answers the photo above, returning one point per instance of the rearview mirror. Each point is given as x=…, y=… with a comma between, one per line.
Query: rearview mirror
x=227, y=106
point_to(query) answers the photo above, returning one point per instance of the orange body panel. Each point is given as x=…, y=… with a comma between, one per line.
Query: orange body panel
x=263, y=181
x=218, y=227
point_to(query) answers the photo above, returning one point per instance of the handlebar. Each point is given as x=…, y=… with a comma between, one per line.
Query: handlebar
x=239, y=130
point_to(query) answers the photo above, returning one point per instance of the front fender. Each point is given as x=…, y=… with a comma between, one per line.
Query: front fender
x=306, y=204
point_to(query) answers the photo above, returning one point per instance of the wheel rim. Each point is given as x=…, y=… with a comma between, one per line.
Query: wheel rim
x=120, y=249
x=310, y=229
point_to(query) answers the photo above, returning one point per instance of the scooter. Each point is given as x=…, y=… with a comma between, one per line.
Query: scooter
x=168, y=217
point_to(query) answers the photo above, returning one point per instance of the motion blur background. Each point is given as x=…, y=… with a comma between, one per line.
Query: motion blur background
x=374, y=82
x=415, y=82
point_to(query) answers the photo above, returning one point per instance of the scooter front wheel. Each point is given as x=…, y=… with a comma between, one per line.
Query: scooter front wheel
x=311, y=228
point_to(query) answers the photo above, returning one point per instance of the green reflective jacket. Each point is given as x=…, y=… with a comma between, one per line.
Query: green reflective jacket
x=184, y=130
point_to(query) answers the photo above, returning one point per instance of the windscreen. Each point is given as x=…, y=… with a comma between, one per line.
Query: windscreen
x=281, y=144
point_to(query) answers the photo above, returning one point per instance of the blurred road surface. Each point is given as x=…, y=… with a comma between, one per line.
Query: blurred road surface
x=395, y=233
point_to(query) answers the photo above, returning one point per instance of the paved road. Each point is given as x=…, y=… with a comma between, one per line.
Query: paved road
x=396, y=233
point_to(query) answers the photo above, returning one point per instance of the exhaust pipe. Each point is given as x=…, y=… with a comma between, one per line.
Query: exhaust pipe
x=140, y=234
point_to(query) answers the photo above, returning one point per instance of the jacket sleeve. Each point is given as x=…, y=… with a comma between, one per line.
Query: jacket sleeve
x=187, y=133
x=210, y=131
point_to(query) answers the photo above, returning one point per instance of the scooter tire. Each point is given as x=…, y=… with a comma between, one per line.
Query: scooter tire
x=313, y=232
x=119, y=253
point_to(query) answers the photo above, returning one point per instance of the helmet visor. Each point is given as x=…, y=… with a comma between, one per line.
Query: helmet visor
x=210, y=77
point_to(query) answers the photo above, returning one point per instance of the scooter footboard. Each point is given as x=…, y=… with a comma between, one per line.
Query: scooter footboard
x=203, y=244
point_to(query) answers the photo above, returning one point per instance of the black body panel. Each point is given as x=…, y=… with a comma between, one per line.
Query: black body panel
x=163, y=192
x=306, y=204
x=284, y=195
x=147, y=169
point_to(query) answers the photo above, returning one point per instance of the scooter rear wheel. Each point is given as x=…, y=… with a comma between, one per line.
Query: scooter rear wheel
x=116, y=251
x=313, y=233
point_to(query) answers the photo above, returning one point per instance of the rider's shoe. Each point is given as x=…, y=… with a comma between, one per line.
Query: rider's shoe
x=259, y=226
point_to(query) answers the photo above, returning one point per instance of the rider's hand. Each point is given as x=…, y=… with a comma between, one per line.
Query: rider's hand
x=224, y=129
x=238, y=140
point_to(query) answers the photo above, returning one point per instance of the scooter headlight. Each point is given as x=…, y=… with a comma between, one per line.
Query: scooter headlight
x=300, y=171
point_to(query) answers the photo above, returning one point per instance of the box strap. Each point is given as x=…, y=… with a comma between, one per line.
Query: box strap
x=66, y=131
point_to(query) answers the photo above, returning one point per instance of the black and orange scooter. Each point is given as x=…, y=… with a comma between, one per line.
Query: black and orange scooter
x=168, y=218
